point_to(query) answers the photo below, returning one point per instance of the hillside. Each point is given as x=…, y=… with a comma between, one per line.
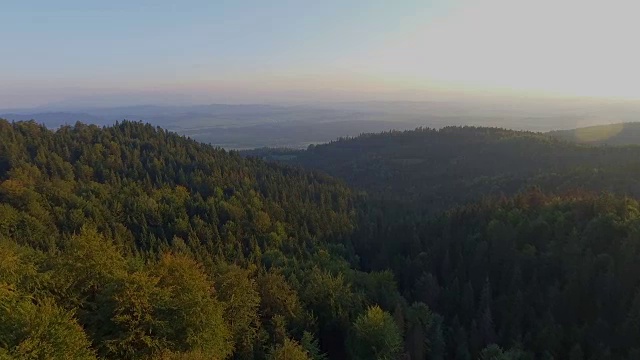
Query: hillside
x=610, y=134
x=438, y=168
x=121, y=234
x=132, y=242
x=136, y=179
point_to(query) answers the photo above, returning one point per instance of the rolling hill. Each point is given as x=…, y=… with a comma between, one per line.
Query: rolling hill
x=609, y=134
x=453, y=165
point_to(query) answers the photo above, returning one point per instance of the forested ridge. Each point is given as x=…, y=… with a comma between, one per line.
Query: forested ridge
x=437, y=168
x=132, y=242
x=156, y=245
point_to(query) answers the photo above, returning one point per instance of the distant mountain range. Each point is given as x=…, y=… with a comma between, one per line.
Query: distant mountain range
x=237, y=126
x=56, y=119
x=259, y=125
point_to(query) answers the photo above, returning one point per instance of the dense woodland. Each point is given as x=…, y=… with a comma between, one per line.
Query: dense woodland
x=454, y=165
x=131, y=242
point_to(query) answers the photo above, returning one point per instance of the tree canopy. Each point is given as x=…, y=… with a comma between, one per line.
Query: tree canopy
x=132, y=242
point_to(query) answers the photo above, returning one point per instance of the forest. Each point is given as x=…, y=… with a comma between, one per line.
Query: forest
x=438, y=168
x=132, y=242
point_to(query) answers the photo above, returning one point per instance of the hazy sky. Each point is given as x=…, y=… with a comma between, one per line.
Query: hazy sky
x=276, y=50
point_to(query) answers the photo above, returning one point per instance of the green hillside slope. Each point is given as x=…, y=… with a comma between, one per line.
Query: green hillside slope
x=438, y=168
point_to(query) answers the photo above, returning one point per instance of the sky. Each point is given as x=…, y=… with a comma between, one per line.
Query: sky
x=249, y=51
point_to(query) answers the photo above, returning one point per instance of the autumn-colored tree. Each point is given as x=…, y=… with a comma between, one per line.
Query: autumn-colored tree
x=375, y=336
x=38, y=329
x=192, y=316
x=289, y=350
x=238, y=291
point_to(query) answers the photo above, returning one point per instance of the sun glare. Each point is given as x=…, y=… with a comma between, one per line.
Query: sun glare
x=560, y=47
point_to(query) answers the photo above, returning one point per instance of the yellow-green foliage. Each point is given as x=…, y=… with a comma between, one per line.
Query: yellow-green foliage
x=375, y=336
x=33, y=328
x=126, y=311
x=289, y=350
